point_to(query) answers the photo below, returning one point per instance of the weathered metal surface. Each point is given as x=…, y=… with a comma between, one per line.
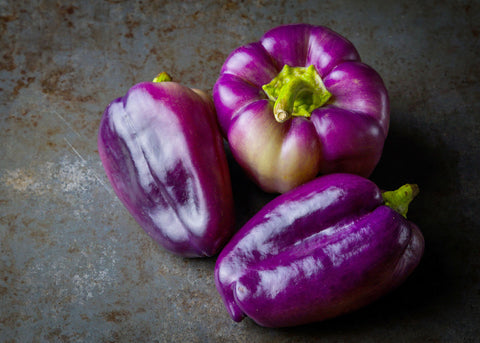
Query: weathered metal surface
x=74, y=266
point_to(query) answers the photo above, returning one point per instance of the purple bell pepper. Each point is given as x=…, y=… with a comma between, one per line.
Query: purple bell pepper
x=326, y=248
x=299, y=103
x=163, y=153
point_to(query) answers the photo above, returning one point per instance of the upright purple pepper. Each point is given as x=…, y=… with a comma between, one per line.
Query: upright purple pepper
x=321, y=250
x=298, y=103
x=163, y=154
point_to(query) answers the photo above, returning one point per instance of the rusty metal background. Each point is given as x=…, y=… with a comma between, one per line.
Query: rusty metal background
x=75, y=267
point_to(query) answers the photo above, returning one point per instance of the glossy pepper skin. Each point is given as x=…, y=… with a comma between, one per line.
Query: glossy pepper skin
x=286, y=123
x=324, y=249
x=163, y=154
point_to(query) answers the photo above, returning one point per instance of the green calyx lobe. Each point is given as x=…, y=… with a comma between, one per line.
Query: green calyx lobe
x=296, y=91
x=162, y=77
x=399, y=199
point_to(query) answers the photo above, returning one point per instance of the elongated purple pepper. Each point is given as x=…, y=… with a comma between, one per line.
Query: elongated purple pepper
x=163, y=154
x=321, y=250
x=299, y=103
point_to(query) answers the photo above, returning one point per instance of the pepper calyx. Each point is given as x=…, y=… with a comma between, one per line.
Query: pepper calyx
x=400, y=198
x=162, y=77
x=296, y=91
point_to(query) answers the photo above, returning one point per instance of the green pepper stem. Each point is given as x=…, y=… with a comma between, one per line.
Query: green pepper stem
x=399, y=199
x=284, y=105
x=296, y=91
x=162, y=77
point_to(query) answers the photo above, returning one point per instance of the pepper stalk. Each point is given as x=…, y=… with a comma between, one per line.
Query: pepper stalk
x=400, y=198
x=162, y=77
x=296, y=91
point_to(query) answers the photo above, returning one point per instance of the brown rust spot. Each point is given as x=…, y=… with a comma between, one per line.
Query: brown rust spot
x=22, y=83
x=66, y=12
x=230, y=6
x=216, y=56
x=116, y=316
x=131, y=25
x=8, y=18
x=10, y=220
x=73, y=250
x=150, y=30
x=61, y=83
x=85, y=98
x=70, y=9
x=7, y=62
x=167, y=29
x=54, y=131
x=24, y=120
x=31, y=63
x=56, y=335
x=4, y=20
x=55, y=81
x=85, y=317
x=40, y=237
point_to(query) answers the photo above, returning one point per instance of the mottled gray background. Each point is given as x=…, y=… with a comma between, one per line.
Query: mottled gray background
x=75, y=267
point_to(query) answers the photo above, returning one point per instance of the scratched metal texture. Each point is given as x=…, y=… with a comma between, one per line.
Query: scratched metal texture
x=74, y=265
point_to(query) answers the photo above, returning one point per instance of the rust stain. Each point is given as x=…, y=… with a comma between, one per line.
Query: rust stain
x=54, y=81
x=216, y=56
x=52, y=145
x=230, y=6
x=131, y=25
x=10, y=220
x=40, y=237
x=73, y=250
x=85, y=317
x=116, y=316
x=8, y=63
x=55, y=334
x=31, y=63
x=8, y=18
x=68, y=9
x=85, y=98
x=5, y=19
x=22, y=83
x=24, y=119
x=61, y=82
x=54, y=131
x=66, y=12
